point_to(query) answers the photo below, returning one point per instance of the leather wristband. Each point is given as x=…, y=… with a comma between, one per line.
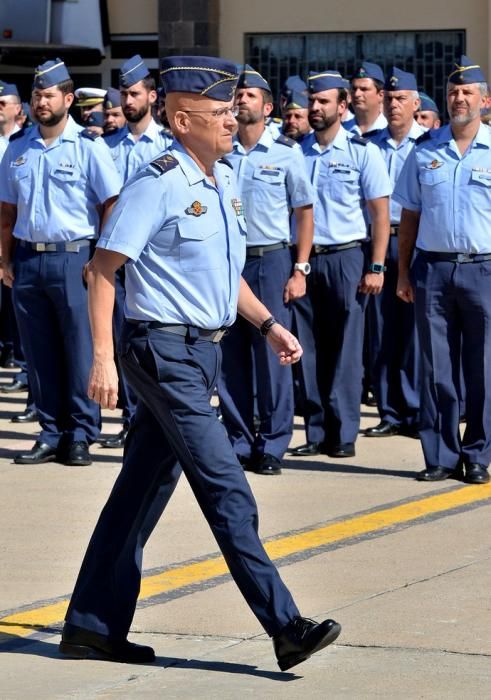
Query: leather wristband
x=267, y=325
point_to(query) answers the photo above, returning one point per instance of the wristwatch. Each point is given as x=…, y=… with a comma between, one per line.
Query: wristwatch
x=377, y=268
x=303, y=267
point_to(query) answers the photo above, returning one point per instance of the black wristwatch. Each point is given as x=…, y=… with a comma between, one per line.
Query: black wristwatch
x=267, y=325
x=377, y=268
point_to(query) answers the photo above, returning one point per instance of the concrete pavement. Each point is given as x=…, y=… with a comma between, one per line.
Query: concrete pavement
x=404, y=566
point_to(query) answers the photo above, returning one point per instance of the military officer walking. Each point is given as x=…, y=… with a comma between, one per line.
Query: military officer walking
x=187, y=249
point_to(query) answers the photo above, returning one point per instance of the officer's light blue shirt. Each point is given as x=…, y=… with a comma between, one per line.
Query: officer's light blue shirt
x=395, y=155
x=186, y=239
x=352, y=126
x=345, y=174
x=272, y=178
x=452, y=192
x=57, y=188
x=130, y=154
x=4, y=140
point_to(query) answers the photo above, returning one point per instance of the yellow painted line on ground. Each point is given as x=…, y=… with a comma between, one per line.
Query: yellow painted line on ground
x=25, y=623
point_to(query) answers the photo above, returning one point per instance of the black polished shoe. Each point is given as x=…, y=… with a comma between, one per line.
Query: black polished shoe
x=383, y=429
x=116, y=440
x=14, y=386
x=476, y=474
x=436, y=474
x=310, y=449
x=38, y=454
x=268, y=464
x=345, y=449
x=77, y=455
x=301, y=638
x=7, y=358
x=247, y=463
x=30, y=415
x=79, y=643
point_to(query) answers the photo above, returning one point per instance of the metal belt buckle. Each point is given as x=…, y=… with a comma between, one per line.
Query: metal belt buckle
x=40, y=247
x=463, y=258
x=219, y=335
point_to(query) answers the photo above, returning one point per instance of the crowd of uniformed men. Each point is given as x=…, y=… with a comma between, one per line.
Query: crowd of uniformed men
x=356, y=204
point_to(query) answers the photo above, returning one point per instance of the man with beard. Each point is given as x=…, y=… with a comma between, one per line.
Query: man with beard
x=348, y=173
x=136, y=143
x=54, y=180
x=367, y=96
x=272, y=181
x=294, y=103
x=114, y=118
x=445, y=191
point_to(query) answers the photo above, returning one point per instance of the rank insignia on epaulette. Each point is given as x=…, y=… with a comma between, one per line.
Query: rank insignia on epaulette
x=434, y=164
x=196, y=209
x=237, y=206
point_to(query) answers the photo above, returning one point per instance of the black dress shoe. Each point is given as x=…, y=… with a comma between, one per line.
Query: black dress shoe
x=301, y=638
x=268, y=464
x=345, y=449
x=15, y=385
x=383, y=429
x=40, y=453
x=77, y=455
x=30, y=415
x=79, y=643
x=436, y=474
x=247, y=463
x=7, y=359
x=476, y=474
x=115, y=441
x=310, y=449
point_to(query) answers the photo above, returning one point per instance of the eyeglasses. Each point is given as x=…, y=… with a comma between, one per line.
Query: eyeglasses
x=217, y=113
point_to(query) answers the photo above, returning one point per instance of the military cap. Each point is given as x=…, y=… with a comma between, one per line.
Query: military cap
x=201, y=75
x=89, y=96
x=398, y=79
x=466, y=72
x=427, y=104
x=250, y=78
x=325, y=80
x=7, y=89
x=294, y=93
x=112, y=98
x=95, y=119
x=49, y=74
x=132, y=71
x=369, y=70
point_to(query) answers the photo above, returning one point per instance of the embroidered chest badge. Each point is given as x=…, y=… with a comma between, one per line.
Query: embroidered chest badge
x=20, y=161
x=435, y=164
x=237, y=206
x=196, y=209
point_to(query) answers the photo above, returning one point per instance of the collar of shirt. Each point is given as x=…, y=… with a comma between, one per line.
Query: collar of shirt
x=264, y=143
x=444, y=135
x=379, y=123
x=339, y=142
x=150, y=133
x=190, y=168
x=414, y=132
x=70, y=132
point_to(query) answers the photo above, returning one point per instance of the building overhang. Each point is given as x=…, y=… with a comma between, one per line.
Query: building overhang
x=18, y=53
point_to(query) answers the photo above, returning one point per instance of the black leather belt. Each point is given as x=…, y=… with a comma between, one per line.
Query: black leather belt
x=320, y=249
x=63, y=247
x=214, y=336
x=257, y=251
x=455, y=257
x=394, y=230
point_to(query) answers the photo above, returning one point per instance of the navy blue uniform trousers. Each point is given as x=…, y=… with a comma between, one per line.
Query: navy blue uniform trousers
x=51, y=309
x=394, y=350
x=249, y=363
x=453, y=317
x=174, y=426
x=338, y=327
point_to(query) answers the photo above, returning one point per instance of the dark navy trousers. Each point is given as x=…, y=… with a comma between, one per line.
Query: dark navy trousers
x=50, y=303
x=249, y=363
x=174, y=426
x=394, y=350
x=453, y=317
x=338, y=327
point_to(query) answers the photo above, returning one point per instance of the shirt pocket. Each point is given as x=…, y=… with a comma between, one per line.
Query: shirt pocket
x=434, y=186
x=273, y=176
x=199, y=247
x=480, y=188
x=22, y=179
x=342, y=183
x=64, y=175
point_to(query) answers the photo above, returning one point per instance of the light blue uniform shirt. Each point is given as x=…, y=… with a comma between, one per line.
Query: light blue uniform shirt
x=272, y=178
x=186, y=239
x=57, y=188
x=344, y=175
x=351, y=125
x=395, y=155
x=4, y=140
x=452, y=192
x=129, y=154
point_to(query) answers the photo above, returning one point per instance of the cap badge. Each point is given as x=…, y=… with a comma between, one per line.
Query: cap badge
x=196, y=209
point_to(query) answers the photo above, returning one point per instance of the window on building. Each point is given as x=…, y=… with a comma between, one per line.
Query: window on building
x=427, y=54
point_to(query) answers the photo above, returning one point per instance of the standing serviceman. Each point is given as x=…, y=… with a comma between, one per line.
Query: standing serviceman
x=348, y=173
x=136, y=143
x=445, y=192
x=114, y=118
x=428, y=114
x=54, y=180
x=272, y=180
x=367, y=98
x=184, y=286
x=394, y=345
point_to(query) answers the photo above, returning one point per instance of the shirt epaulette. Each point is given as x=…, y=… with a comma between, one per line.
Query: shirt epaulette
x=226, y=162
x=360, y=139
x=285, y=140
x=17, y=134
x=424, y=137
x=88, y=134
x=167, y=132
x=164, y=163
